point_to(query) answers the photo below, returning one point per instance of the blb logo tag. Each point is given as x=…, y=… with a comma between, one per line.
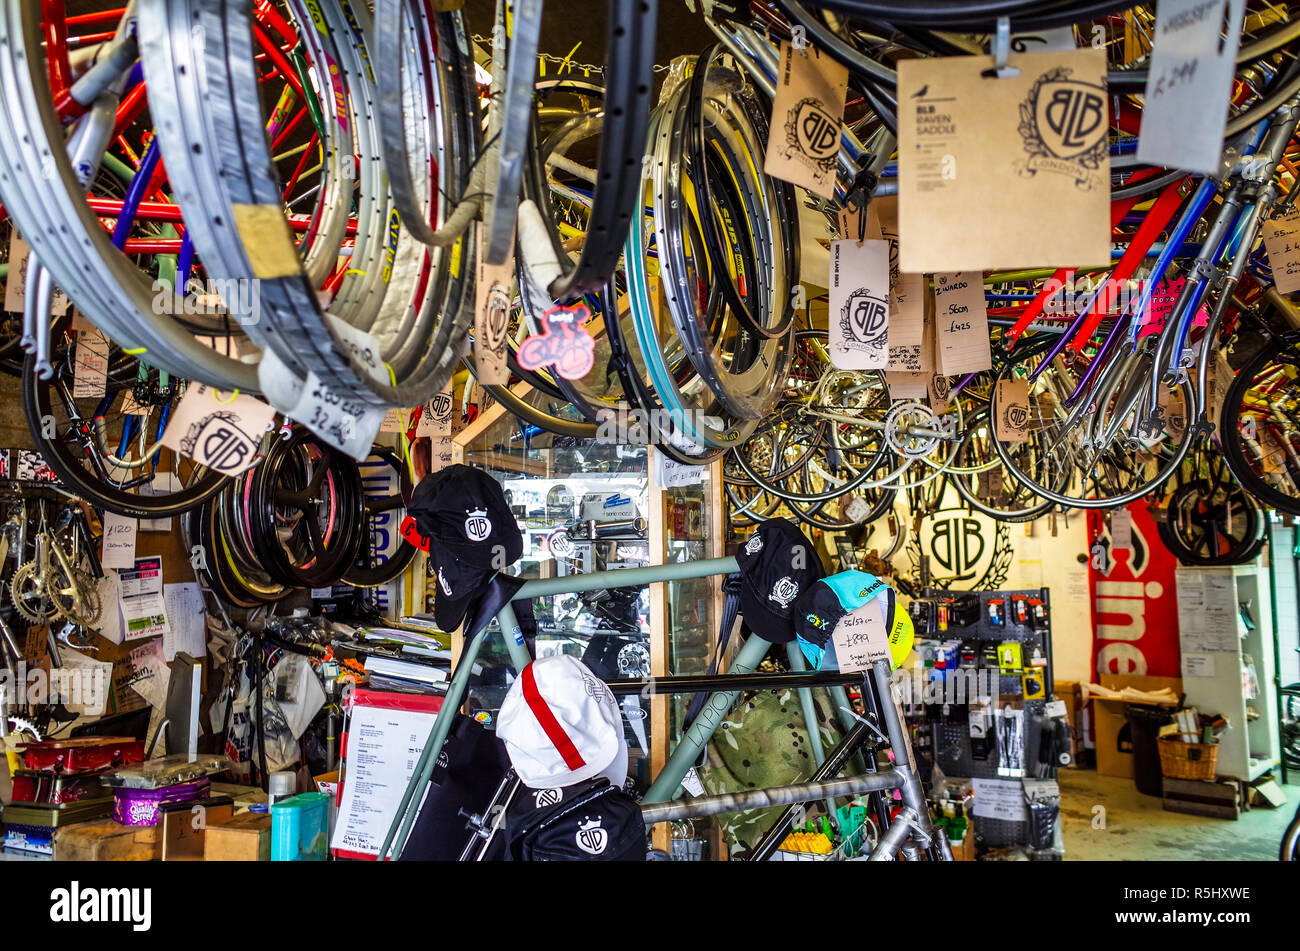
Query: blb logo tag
x=560, y=544
x=217, y=442
x=783, y=592
x=591, y=838
x=441, y=407
x=865, y=317
x=818, y=133
x=1017, y=415
x=1071, y=117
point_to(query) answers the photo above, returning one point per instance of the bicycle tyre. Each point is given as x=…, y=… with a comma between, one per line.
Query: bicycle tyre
x=1230, y=436
x=36, y=407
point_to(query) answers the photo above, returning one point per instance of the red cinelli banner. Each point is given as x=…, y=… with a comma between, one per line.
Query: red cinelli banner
x=1134, y=600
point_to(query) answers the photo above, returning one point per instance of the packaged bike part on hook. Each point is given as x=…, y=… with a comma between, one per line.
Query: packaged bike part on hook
x=1010, y=722
x=1043, y=799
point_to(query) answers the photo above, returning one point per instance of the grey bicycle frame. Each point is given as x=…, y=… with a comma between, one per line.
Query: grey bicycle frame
x=667, y=785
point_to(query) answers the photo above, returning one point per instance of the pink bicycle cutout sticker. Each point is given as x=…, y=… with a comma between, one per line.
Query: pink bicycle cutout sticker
x=563, y=343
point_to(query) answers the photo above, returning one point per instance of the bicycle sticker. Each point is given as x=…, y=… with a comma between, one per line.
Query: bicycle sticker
x=563, y=343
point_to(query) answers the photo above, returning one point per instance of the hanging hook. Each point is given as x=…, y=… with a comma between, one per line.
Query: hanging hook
x=1001, y=49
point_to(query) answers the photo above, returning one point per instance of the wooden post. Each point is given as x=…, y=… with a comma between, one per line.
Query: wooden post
x=660, y=727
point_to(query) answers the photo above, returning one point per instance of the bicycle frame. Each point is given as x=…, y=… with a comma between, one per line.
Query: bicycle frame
x=912, y=832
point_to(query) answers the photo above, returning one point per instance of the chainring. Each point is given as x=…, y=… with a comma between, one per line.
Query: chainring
x=27, y=588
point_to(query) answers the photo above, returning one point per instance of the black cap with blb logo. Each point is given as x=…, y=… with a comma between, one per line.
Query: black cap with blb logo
x=777, y=564
x=472, y=534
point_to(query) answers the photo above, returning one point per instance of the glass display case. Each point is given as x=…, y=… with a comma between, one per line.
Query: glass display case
x=586, y=505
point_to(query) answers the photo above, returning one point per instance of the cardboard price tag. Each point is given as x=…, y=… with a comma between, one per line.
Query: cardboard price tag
x=16, y=281
x=803, y=141
x=119, y=541
x=971, y=147
x=962, y=324
x=492, y=318
x=940, y=392
x=1173, y=410
x=1282, y=240
x=1185, y=106
x=216, y=429
x=860, y=638
x=1011, y=416
x=363, y=347
x=90, y=366
x=907, y=293
x=859, y=305
x=1121, y=529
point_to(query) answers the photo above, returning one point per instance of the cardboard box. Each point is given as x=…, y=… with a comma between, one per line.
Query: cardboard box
x=185, y=826
x=1114, y=748
x=106, y=840
x=242, y=838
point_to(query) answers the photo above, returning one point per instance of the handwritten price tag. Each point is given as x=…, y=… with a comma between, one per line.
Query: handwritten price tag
x=363, y=347
x=119, y=541
x=1185, y=107
x=345, y=422
x=90, y=369
x=860, y=638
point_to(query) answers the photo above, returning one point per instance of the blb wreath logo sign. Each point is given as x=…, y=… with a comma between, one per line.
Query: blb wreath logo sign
x=967, y=550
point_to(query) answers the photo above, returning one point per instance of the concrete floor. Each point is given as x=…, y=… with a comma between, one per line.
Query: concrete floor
x=1138, y=828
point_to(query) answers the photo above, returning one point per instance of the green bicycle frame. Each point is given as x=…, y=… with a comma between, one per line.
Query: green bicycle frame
x=667, y=785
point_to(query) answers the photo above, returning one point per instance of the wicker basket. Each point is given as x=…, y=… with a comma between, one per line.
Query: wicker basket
x=1188, y=759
